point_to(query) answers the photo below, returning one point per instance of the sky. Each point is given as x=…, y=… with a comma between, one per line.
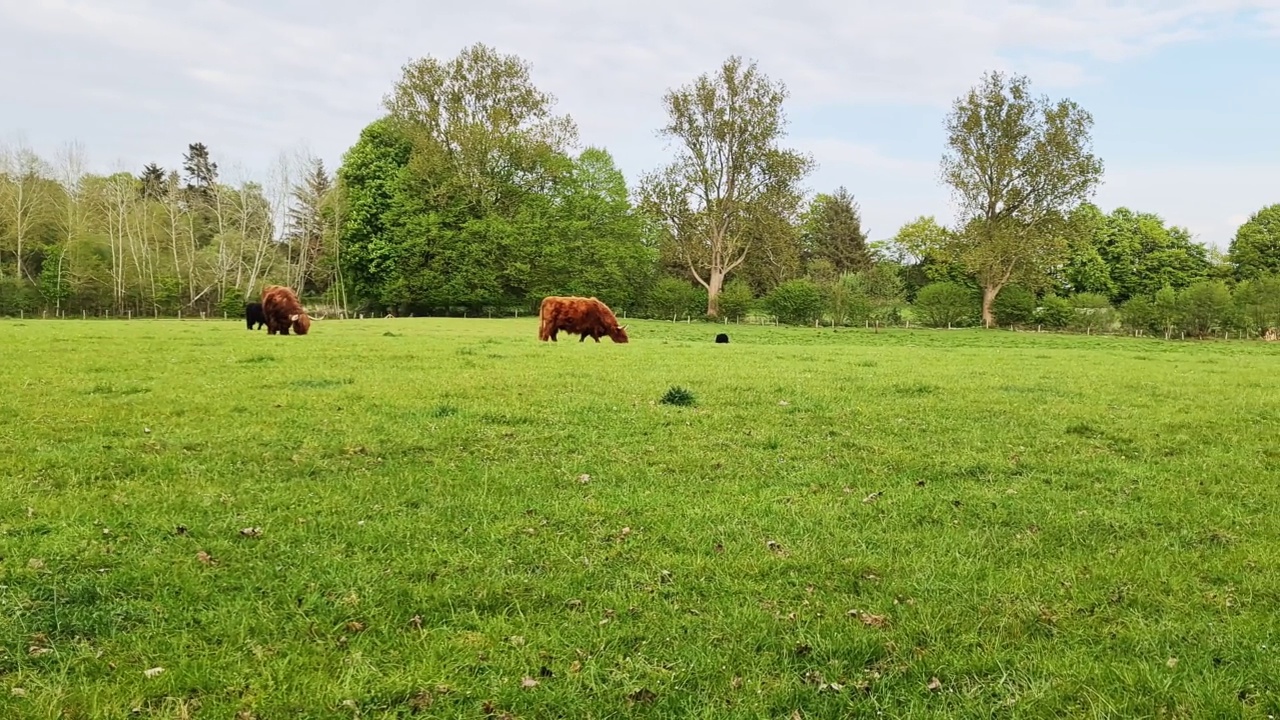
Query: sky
x=1185, y=94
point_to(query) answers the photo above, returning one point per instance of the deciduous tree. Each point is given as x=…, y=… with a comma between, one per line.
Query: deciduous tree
x=1255, y=250
x=1018, y=165
x=729, y=174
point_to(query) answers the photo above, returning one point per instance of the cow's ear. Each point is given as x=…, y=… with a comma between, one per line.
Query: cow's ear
x=293, y=318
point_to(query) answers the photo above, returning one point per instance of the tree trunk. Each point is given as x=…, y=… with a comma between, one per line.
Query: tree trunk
x=713, y=293
x=988, y=301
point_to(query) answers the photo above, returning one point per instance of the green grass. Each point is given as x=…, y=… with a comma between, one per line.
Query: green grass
x=1042, y=523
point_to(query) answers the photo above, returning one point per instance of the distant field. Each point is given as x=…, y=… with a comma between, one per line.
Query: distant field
x=847, y=524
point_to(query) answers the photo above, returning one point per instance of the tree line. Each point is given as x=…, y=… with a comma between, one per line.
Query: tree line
x=470, y=195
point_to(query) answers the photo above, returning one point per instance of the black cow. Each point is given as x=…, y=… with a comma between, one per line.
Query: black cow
x=253, y=315
x=722, y=338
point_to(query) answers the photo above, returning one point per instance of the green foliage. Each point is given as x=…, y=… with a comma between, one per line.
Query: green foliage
x=796, y=302
x=465, y=197
x=1018, y=166
x=1167, y=309
x=736, y=300
x=1255, y=249
x=1205, y=307
x=1015, y=305
x=831, y=230
x=1142, y=255
x=1257, y=303
x=731, y=181
x=673, y=298
x=676, y=395
x=1054, y=312
x=1091, y=312
x=18, y=297
x=946, y=304
x=1139, y=313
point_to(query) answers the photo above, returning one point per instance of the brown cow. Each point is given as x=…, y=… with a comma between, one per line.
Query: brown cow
x=585, y=316
x=282, y=311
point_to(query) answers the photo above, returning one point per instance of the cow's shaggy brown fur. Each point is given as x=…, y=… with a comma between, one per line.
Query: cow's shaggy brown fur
x=283, y=311
x=584, y=316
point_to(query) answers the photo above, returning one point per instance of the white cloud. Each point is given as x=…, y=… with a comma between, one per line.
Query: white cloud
x=253, y=76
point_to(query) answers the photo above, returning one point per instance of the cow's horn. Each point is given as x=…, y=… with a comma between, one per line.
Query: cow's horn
x=622, y=327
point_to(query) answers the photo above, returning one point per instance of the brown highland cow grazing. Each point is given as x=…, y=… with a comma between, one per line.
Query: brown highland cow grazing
x=282, y=310
x=585, y=316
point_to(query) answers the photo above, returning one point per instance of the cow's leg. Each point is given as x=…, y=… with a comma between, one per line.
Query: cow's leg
x=583, y=338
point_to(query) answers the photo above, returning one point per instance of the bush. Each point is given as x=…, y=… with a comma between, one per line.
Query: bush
x=671, y=298
x=796, y=302
x=1015, y=305
x=1091, y=312
x=18, y=297
x=1206, y=307
x=736, y=299
x=946, y=304
x=1139, y=314
x=1054, y=312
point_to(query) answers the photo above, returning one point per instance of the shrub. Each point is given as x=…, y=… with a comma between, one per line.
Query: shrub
x=1054, y=312
x=796, y=302
x=945, y=304
x=1091, y=312
x=736, y=299
x=1139, y=314
x=1015, y=305
x=671, y=297
x=18, y=296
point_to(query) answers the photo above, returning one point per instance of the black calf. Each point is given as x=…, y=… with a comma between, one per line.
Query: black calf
x=722, y=338
x=253, y=315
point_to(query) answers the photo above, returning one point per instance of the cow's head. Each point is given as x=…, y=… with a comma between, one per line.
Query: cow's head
x=301, y=323
x=619, y=334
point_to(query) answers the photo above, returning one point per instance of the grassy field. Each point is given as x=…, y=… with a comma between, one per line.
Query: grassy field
x=447, y=518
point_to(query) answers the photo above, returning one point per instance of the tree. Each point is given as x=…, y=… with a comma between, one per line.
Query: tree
x=310, y=231
x=465, y=195
x=1017, y=166
x=924, y=247
x=1142, y=254
x=201, y=171
x=728, y=175
x=1255, y=250
x=1258, y=303
x=23, y=202
x=945, y=304
x=152, y=181
x=832, y=231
